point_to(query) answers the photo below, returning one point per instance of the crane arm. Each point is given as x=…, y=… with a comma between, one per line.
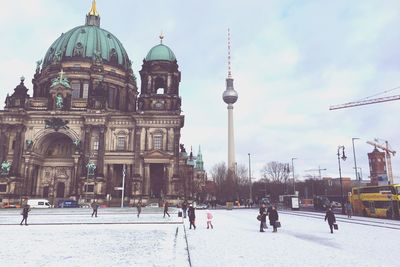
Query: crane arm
x=381, y=147
x=365, y=102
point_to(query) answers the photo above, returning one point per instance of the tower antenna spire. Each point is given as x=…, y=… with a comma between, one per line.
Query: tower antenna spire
x=229, y=54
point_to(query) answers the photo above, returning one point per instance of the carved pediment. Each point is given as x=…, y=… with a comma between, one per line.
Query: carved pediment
x=157, y=154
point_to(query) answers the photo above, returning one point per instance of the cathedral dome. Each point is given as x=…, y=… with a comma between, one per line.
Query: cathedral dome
x=160, y=52
x=88, y=42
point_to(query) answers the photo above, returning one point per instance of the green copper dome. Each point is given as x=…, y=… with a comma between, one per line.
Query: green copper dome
x=88, y=42
x=160, y=52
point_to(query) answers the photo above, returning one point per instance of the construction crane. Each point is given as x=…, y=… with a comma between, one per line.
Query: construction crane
x=316, y=170
x=368, y=100
x=388, y=151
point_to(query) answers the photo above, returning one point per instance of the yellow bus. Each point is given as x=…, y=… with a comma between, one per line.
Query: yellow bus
x=376, y=201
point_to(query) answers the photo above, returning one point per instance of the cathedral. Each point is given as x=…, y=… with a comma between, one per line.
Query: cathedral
x=87, y=133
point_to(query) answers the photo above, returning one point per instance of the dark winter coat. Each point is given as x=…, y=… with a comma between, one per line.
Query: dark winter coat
x=25, y=211
x=273, y=216
x=330, y=216
x=184, y=206
x=191, y=213
x=263, y=214
x=95, y=205
x=166, y=206
x=269, y=209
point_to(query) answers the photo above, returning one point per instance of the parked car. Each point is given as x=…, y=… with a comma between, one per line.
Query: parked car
x=153, y=205
x=335, y=204
x=85, y=205
x=11, y=206
x=39, y=203
x=67, y=203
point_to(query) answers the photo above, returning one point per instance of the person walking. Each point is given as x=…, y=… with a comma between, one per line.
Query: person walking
x=95, y=206
x=349, y=209
x=184, y=208
x=273, y=218
x=166, y=209
x=192, y=217
x=139, y=208
x=25, y=210
x=330, y=216
x=263, y=214
x=209, y=219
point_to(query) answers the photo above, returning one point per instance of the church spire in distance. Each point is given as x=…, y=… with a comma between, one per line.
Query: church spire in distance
x=93, y=17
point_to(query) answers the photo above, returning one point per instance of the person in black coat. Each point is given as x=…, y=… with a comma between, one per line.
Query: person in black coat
x=263, y=214
x=184, y=208
x=331, y=218
x=166, y=209
x=192, y=217
x=273, y=217
x=26, y=209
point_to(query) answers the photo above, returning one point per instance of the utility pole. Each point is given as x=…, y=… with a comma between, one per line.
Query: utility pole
x=355, y=161
x=251, y=191
x=294, y=182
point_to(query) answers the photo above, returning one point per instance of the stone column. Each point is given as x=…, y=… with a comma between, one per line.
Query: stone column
x=136, y=148
x=166, y=139
x=146, y=179
x=17, y=151
x=86, y=150
x=177, y=137
x=100, y=154
x=146, y=140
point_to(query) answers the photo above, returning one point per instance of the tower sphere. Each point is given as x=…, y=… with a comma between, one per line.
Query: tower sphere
x=230, y=96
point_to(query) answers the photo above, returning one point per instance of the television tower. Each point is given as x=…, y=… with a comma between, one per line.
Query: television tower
x=230, y=96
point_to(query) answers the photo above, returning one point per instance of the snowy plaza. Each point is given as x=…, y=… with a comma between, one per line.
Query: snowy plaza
x=71, y=237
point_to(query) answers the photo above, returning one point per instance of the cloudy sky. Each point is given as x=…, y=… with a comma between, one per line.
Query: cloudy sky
x=291, y=60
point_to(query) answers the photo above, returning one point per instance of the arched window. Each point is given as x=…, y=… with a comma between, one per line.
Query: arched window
x=76, y=89
x=159, y=85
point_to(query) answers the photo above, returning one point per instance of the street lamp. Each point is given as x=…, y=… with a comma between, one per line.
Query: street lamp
x=251, y=193
x=294, y=182
x=343, y=157
x=354, y=153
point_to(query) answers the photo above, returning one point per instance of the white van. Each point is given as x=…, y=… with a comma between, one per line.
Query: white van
x=39, y=203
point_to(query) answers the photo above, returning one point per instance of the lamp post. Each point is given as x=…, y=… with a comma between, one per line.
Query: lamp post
x=355, y=161
x=343, y=157
x=251, y=191
x=294, y=182
x=359, y=173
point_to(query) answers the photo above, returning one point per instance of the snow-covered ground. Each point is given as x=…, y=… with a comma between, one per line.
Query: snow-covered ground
x=70, y=237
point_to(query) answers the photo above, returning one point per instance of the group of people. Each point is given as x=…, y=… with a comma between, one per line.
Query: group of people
x=273, y=217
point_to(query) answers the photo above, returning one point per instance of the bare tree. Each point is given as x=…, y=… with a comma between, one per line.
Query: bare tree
x=276, y=172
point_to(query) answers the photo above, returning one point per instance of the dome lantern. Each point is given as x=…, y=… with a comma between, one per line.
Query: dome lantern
x=93, y=17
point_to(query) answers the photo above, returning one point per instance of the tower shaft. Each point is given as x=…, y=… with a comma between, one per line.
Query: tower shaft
x=231, y=140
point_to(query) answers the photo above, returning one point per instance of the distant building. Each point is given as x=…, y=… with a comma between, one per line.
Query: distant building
x=377, y=167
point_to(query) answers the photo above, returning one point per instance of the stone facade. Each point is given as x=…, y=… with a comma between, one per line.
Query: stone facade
x=87, y=110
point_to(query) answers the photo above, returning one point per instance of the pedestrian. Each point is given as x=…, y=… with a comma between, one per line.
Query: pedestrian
x=273, y=218
x=166, y=209
x=95, y=206
x=184, y=208
x=192, y=217
x=25, y=210
x=349, y=209
x=139, y=208
x=263, y=214
x=331, y=218
x=209, y=219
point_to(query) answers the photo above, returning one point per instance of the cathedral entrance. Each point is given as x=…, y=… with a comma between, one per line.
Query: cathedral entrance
x=157, y=180
x=55, y=173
